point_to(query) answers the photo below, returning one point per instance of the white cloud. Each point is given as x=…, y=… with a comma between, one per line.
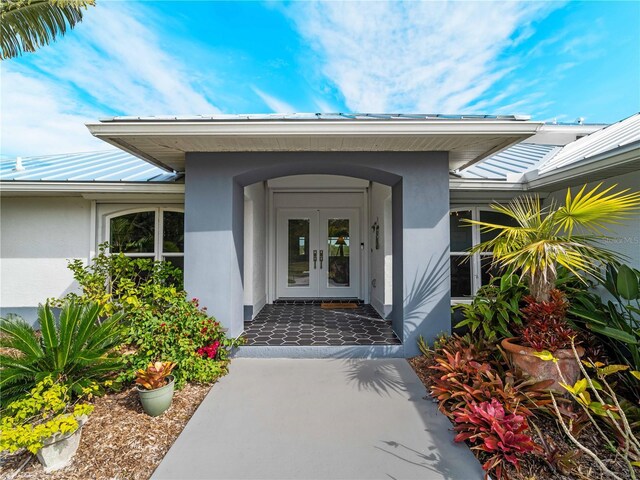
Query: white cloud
x=39, y=118
x=275, y=104
x=415, y=56
x=113, y=60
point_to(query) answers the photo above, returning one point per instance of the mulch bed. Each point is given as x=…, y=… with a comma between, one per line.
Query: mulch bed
x=119, y=441
x=535, y=468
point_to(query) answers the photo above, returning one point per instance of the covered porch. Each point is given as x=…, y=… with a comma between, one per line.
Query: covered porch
x=224, y=158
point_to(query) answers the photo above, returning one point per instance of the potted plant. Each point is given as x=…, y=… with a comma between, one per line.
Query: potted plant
x=545, y=331
x=540, y=239
x=45, y=423
x=155, y=387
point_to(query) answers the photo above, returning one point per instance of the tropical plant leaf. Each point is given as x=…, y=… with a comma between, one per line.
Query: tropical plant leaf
x=615, y=333
x=18, y=334
x=546, y=238
x=589, y=315
x=82, y=349
x=47, y=326
x=26, y=25
x=627, y=283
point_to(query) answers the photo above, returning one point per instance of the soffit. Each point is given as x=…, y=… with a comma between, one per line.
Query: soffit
x=165, y=143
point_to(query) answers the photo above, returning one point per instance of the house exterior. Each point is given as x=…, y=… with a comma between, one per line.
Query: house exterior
x=261, y=208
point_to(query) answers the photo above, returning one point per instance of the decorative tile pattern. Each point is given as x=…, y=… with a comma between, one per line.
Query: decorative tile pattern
x=300, y=323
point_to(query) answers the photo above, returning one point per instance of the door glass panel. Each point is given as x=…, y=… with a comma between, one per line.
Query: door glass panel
x=338, y=250
x=298, y=253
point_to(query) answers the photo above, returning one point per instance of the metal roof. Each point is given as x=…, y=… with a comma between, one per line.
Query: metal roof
x=516, y=159
x=313, y=116
x=616, y=135
x=103, y=166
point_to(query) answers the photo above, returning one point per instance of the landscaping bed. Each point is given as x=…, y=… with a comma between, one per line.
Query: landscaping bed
x=535, y=467
x=119, y=440
x=105, y=381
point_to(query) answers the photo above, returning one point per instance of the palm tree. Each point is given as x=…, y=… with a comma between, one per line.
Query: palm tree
x=545, y=237
x=26, y=25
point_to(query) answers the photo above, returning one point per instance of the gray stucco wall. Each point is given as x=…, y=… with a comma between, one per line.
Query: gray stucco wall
x=214, y=228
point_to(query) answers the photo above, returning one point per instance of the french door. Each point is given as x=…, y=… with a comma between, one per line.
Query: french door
x=318, y=253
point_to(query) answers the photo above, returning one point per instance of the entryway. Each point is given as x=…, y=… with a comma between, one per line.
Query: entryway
x=318, y=253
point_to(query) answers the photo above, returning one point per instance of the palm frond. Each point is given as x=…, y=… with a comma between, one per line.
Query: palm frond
x=47, y=326
x=69, y=317
x=20, y=335
x=595, y=210
x=75, y=347
x=542, y=238
x=26, y=25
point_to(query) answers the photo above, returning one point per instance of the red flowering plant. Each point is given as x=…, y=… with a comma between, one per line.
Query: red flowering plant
x=489, y=428
x=209, y=351
x=546, y=327
x=162, y=321
x=177, y=328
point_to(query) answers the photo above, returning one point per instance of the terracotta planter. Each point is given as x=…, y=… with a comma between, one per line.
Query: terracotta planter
x=525, y=360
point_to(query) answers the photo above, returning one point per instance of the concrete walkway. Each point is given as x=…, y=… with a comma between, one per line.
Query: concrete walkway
x=318, y=419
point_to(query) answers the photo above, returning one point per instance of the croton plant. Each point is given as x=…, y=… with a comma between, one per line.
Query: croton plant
x=155, y=375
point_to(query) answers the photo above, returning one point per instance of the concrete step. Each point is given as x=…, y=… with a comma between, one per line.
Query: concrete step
x=307, y=351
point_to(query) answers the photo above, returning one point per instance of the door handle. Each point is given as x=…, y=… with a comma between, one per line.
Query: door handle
x=315, y=258
x=321, y=258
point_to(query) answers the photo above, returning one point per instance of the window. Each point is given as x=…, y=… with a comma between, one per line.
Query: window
x=468, y=273
x=157, y=234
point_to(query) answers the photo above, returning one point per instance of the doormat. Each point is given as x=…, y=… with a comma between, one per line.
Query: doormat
x=338, y=305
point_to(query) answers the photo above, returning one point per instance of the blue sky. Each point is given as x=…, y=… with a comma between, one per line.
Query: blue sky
x=551, y=60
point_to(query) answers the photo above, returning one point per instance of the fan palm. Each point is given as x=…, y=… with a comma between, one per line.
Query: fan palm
x=77, y=349
x=569, y=234
x=26, y=25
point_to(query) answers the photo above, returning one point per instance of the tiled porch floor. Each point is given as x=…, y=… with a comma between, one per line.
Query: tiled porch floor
x=308, y=324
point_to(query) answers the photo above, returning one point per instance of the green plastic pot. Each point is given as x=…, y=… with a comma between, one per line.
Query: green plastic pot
x=156, y=402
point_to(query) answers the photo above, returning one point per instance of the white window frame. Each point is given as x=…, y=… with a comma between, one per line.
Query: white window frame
x=475, y=259
x=158, y=253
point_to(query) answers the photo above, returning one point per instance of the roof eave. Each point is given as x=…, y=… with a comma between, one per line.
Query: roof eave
x=589, y=169
x=117, y=133
x=9, y=187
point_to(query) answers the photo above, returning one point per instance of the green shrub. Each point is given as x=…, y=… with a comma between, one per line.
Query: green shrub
x=162, y=323
x=75, y=349
x=118, y=282
x=495, y=309
x=45, y=412
x=176, y=329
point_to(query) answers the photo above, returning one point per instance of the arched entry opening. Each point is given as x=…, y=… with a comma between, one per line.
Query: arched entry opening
x=215, y=222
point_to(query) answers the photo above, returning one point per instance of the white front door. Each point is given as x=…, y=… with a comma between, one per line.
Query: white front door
x=318, y=253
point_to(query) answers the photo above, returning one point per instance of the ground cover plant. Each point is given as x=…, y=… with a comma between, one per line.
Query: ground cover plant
x=45, y=412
